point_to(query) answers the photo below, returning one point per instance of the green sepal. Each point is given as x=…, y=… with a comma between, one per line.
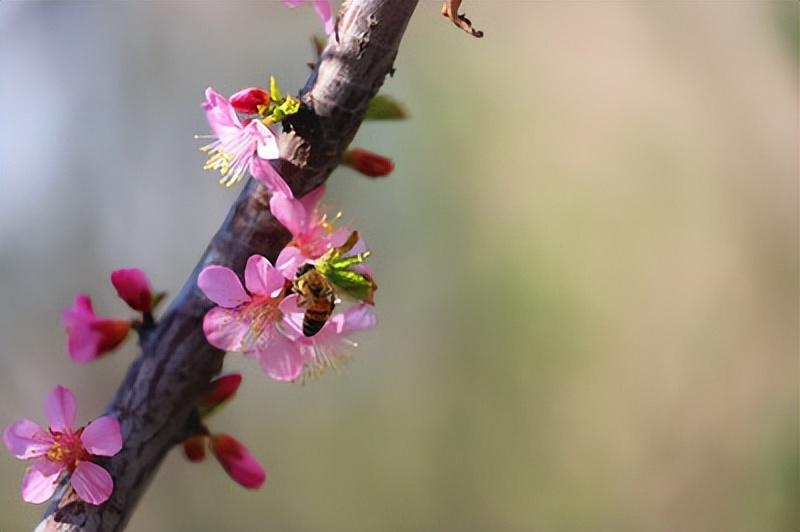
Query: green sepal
x=288, y=107
x=274, y=91
x=385, y=108
x=342, y=263
x=354, y=284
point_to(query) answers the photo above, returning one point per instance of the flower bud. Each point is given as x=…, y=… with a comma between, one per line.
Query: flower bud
x=250, y=101
x=220, y=390
x=368, y=163
x=237, y=461
x=194, y=447
x=133, y=288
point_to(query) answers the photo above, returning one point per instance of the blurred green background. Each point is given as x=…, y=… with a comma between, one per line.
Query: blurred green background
x=587, y=258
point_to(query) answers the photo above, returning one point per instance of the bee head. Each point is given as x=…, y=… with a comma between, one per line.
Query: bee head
x=305, y=268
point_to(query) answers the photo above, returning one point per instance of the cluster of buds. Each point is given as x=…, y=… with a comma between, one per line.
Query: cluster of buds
x=234, y=457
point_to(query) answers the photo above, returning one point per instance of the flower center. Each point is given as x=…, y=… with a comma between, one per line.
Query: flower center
x=315, y=242
x=259, y=315
x=67, y=449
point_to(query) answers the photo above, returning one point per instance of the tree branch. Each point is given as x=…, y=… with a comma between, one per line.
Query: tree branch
x=155, y=401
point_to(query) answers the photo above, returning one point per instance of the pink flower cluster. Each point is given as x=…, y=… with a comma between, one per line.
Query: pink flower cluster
x=262, y=319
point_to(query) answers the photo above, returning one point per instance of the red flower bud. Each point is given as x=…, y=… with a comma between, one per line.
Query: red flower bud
x=220, y=390
x=112, y=332
x=368, y=163
x=247, y=101
x=133, y=288
x=237, y=461
x=194, y=447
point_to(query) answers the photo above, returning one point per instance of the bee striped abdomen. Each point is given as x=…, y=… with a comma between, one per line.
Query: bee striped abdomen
x=314, y=320
x=316, y=295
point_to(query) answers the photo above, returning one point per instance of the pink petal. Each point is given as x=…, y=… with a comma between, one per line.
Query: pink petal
x=83, y=343
x=290, y=213
x=224, y=329
x=222, y=286
x=26, y=439
x=237, y=461
x=282, y=359
x=360, y=247
x=267, y=146
x=133, y=288
x=289, y=259
x=102, y=437
x=263, y=171
x=364, y=269
x=40, y=481
x=220, y=114
x=80, y=312
x=311, y=200
x=339, y=237
x=92, y=483
x=262, y=278
x=60, y=408
x=358, y=318
x=292, y=323
x=325, y=14
x=213, y=99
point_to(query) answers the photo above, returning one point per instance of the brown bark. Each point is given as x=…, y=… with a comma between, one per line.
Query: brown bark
x=154, y=403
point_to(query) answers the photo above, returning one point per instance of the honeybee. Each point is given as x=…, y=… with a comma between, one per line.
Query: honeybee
x=317, y=295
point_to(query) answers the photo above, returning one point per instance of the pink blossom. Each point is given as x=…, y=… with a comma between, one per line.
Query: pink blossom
x=237, y=461
x=323, y=9
x=237, y=144
x=249, y=321
x=332, y=344
x=61, y=449
x=88, y=336
x=313, y=234
x=133, y=288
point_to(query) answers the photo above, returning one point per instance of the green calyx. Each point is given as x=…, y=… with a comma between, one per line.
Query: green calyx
x=337, y=268
x=280, y=106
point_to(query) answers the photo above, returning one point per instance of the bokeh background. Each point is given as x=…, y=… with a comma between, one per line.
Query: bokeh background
x=587, y=258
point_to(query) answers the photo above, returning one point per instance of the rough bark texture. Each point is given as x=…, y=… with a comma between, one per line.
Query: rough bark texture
x=154, y=403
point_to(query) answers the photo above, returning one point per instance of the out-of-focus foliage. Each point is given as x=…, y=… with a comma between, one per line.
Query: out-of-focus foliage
x=383, y=107
x=588, y=255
